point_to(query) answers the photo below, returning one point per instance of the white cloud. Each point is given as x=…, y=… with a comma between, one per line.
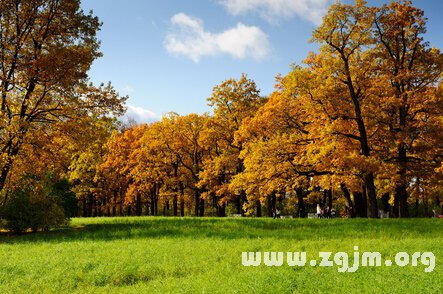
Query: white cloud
x=140, y=114
x=275, y=10
x=189, y=38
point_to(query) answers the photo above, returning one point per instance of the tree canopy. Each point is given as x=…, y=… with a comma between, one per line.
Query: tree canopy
x=358, y=125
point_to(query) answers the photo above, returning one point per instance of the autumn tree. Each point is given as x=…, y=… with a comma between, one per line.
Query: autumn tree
x=115, y=172
x=156, y=168
x=164, y=152
x=396, y=75
x=191, y=152
x=65, y=155
x=278, y=142
x=368, y=104
x=86, y=150
x=46, y=48
x=38, y=193
x=233, y=101
x=408, y=74
x=346, y=69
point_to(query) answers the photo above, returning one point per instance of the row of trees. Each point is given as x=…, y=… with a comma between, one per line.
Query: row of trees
x=358, y=126
x=361, y=119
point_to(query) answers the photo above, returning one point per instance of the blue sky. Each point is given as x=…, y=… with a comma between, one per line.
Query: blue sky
x=167, y=55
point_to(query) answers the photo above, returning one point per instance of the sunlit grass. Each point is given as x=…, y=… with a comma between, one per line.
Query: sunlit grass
x=131, y=255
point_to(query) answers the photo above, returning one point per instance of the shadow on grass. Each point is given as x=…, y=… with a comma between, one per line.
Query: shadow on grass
x=94, y=229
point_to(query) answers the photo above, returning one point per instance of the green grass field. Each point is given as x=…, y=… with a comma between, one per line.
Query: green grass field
x=203, y=255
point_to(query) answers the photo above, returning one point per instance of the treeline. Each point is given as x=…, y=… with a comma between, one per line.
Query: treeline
x=359, y=123
x=357, y=127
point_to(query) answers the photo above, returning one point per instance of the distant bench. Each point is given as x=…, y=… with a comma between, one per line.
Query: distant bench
x=312, y=215
x=235, y=215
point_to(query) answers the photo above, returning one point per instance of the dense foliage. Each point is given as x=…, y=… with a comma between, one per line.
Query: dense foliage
x=358, y=127
x=46, y=49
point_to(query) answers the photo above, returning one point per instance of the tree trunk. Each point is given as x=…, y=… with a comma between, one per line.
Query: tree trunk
x=273, y=201
x=301, y=211
x=363, y=137
x=385, y=202
x=395, y=208
x=330, y=198
x=202, y=207
x=325, y=197
x=417, y=207
x=182, y=199
x=219, y=207
x=175, y=204
x=99, y=207
x=90, y=205
x=11, y=153
x=120, y=208
x=4, y=174
x=156, y=205
x=372, y=195
x=401, y=196
x=348, y=200
x=359, y=204
x=152, y=204
x=138, y=207
x=365, y=200
x=401, y=193
x=269, y=206
x=175, y=190
x=85, y=208
x=154, y=200
x=114, y=203
x=129, y=210
x=258, y=208
x=238, y=204
x=197, y=202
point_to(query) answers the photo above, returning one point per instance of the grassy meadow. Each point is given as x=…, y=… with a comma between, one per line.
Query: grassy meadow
x=203, y=255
